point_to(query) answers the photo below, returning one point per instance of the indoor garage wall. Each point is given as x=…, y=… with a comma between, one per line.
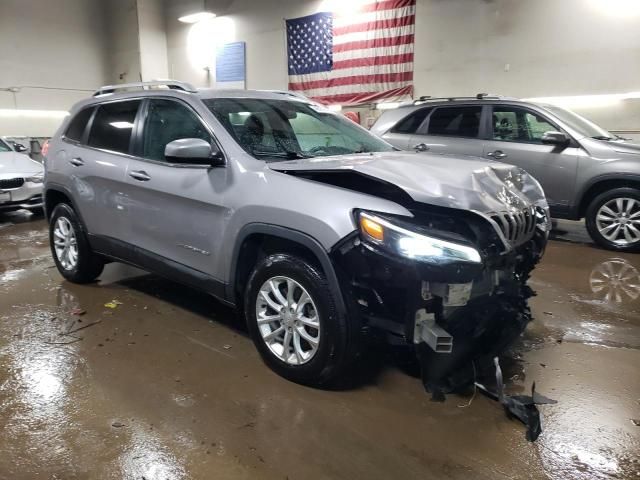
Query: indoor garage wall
x=511, y=47
x=51, y=55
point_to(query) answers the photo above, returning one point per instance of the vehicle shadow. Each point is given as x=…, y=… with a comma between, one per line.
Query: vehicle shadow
x=376, y=355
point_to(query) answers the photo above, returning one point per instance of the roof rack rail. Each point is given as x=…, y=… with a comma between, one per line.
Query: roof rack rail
x=288, y=93
x=479, y=96
x=170, y=84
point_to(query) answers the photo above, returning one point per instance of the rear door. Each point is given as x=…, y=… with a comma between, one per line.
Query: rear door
x=515, y=138
x=176, y=210
x=451, y=129
x=98, y=160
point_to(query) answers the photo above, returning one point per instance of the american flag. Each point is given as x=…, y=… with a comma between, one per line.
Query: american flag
x=360, y=57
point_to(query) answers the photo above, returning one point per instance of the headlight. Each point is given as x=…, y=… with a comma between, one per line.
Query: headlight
x=406, y=243
x=39, y=178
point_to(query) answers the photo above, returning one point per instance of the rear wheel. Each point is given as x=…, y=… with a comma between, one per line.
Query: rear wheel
x=613, y=219
x=70, y=247
x=293, y=321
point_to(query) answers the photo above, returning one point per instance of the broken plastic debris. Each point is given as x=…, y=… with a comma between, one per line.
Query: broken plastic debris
x=78, y=311
x=522, y=407
x=227, y=347
x=117, y=425
x=113, y=304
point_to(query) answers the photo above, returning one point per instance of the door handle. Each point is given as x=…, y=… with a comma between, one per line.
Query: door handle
x=140, y=175
x=76, y=162
x=498, y=154
x=421, y=147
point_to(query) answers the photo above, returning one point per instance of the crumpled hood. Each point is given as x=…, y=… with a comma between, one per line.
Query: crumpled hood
x=467, y=183
x=13, y=164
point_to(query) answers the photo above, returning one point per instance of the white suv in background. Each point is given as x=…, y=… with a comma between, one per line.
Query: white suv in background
x=20, y=181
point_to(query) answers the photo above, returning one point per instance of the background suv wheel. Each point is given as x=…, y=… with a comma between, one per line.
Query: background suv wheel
x=613, y=219
x=70, y=248
x=293, y=321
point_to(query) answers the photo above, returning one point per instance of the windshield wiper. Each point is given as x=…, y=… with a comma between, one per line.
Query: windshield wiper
x=288, y=154
x=602, y=137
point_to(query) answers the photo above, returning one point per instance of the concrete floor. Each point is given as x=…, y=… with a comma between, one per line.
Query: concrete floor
x=168, y=386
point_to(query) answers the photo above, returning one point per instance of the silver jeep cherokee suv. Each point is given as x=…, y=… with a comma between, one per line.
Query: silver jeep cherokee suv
x=586, y=172
x=316, y=230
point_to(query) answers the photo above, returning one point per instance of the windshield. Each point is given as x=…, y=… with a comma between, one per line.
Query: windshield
x=580, y=124
x=276, y=130
x=4, y=147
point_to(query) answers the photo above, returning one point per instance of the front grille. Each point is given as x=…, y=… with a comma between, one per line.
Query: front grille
x=11, y=183
x=517, y=227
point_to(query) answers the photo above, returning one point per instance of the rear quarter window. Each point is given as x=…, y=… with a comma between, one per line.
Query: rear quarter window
x=78, y=125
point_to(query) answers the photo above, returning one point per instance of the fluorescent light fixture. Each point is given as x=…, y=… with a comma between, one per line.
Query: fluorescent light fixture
x=622, y=9
x=196, y=17
x=121, y=125
x=24, y=113
x=387, y=105
x=335, y=108
x=586, y=101
x=204, y=39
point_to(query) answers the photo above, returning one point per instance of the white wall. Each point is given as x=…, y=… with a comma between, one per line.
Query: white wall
x=521, y=48
x=152, y=40
x=59, y=45
x=123, y=48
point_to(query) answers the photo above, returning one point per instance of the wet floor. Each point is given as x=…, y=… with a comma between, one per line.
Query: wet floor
x=167, y=385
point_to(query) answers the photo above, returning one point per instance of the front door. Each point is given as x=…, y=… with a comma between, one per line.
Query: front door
x=515, y=138
x=177, y=210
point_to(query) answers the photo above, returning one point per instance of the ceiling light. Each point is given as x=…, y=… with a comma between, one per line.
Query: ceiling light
x=196, y=17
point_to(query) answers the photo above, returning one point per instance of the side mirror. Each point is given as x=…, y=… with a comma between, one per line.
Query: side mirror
x=18, y=147
x=193, y=151
x=555, y=138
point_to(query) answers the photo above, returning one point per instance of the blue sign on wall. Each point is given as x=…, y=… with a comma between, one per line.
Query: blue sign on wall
x=231, y=65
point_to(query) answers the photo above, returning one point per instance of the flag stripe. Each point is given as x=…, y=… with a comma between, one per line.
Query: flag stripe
x=378, y=42
x=364, y=97
x=373, y=61
x=373, y=16
x=384, y=33
x=311, y=77
x=372, y=52
x=380, y=5
x=355, y=88
x=380, y=24
x=358, y=79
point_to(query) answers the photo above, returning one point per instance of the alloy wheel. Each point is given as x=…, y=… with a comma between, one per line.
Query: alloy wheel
x=65, y=243
x=288, y=320
x=618, y=220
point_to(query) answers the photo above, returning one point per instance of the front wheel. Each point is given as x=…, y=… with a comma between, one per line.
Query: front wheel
x=292, y=317
x=70, y=248
x=613, y=219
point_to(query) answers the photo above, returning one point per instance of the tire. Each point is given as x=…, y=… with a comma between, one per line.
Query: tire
x=336, y=348
x=87, y=266
x=622, y=207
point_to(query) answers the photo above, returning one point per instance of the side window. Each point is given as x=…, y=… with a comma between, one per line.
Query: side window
x=513, y=124
x=456, y=121
x=78, y=124
x=112, y=126
x=411, y=122
x=168, y=120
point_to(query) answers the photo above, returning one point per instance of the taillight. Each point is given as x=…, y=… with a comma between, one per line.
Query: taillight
x=45, y=148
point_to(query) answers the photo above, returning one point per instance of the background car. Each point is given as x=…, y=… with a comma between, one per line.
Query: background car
x=20, y=181
x=586, y=172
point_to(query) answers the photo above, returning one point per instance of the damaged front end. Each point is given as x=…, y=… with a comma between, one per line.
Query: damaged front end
x=450, y=282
